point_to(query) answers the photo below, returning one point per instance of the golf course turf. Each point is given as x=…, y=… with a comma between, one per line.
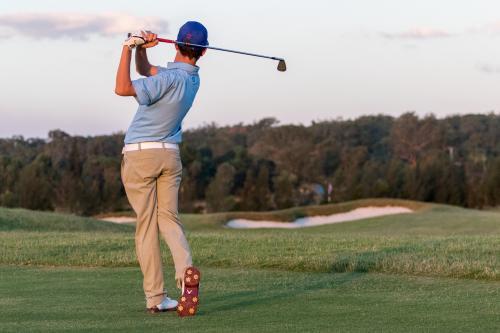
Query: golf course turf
x=434, y=270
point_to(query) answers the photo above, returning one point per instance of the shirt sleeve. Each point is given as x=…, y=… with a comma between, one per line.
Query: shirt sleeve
x=150, y=89
x=161, y=69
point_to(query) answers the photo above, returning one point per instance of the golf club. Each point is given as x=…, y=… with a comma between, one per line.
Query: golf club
x=281, y=63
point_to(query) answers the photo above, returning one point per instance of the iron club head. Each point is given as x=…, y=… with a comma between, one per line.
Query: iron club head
x=282, y=66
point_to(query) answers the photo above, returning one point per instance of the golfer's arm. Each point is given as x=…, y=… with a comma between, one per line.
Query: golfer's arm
x=142, y=64
x=124, y=85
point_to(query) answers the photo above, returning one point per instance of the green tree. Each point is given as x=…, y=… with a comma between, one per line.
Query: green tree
x=34, y=187
x=218, y=193
x=284, y=185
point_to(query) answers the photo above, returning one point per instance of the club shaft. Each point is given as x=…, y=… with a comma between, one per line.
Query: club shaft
x=163, y=40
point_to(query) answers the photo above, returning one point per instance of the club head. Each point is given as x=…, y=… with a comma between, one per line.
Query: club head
x=282, y=66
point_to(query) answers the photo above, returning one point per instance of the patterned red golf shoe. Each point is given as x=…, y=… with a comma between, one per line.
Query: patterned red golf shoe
x=188, y=302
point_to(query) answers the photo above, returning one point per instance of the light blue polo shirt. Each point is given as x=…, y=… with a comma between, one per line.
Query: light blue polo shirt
x=164, y=100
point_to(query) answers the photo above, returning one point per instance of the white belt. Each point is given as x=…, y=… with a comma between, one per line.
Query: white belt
x=149, y=145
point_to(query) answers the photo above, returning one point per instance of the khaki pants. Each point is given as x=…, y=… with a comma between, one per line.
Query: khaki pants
x=152, y=178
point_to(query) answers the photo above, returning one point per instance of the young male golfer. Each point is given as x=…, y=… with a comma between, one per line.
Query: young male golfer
x=151, y=165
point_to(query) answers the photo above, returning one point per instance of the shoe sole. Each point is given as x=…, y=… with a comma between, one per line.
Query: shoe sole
x=189, y=300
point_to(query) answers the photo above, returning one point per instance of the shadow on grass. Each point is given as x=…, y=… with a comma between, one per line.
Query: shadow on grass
x=271, y=295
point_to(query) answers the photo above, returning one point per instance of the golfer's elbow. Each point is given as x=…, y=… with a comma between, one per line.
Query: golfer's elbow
x=119, y=91
x=125, y=90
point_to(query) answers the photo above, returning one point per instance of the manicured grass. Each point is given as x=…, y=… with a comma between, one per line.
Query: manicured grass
x=67, y=273
x=246, y=300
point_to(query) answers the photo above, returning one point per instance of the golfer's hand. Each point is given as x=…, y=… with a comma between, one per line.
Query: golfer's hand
x=150, y=38
x=134, y=40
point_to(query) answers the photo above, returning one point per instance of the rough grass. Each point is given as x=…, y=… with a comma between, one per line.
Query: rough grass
x=459, y=256
x=28, y=220
x=436, y=241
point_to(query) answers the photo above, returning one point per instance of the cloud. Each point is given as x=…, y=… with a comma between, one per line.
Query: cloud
x=77, y=25
x=489, y=69
x=489, y=29
x=418, y=34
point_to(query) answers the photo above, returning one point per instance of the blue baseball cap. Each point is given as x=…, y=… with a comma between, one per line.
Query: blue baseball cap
x=193, y=32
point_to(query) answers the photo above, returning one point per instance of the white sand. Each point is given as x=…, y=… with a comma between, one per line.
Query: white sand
x=119, y=219
x=312, y=221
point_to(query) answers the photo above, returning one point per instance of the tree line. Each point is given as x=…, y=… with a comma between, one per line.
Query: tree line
x=265, y=166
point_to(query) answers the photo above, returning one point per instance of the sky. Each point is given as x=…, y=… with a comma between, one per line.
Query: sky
x=345, y=59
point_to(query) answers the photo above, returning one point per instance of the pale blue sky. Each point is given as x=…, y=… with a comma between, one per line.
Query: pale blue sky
x=345, y=58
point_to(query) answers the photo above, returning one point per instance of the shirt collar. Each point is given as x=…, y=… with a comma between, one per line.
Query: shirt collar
x=182, y=65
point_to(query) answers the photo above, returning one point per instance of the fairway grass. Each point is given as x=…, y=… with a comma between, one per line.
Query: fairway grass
x=437, y=269
x=246, y=300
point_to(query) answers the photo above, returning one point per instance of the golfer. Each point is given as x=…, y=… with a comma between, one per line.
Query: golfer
x=151, y=166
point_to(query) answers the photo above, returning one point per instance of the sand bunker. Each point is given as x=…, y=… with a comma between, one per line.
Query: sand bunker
x=313, y=221
x=119, y=219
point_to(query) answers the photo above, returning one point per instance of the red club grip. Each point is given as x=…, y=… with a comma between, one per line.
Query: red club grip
x=164, y=40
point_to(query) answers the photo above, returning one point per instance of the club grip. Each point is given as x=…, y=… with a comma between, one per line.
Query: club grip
x=164, y=40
